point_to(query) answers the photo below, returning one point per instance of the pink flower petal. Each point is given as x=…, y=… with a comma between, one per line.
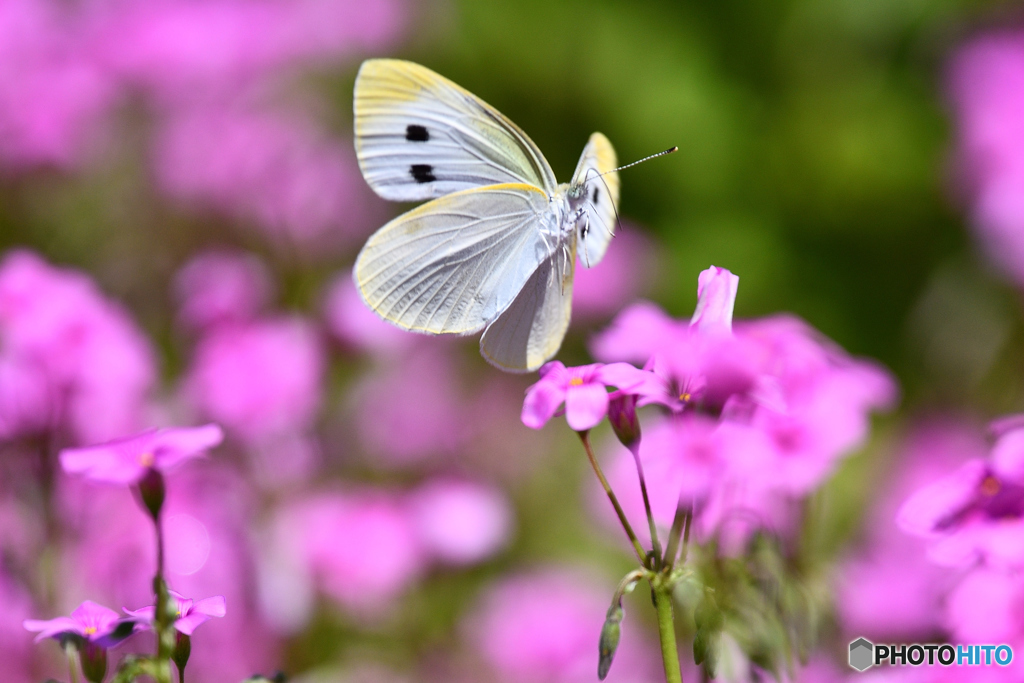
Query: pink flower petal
x=929, y=506
x=716, y=296
x=585, y=405
x=542, y=400
x=172, y=446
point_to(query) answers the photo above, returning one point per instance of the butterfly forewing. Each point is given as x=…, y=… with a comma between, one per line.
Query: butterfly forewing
x=601, y=199
x=530, y=331
x=420, y=136
x=454, y=264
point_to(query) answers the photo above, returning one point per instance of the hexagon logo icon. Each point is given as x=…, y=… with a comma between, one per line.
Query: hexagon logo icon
x=862, y=654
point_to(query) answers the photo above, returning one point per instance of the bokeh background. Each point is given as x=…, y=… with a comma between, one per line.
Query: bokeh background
x=179, y=210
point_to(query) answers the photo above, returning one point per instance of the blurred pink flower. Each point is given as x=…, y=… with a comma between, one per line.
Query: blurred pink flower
x=411, y=410
x=618, y=279
x=93, y=366
x=260, y=380
x=360, y=548
x=637, y=333
x=888, y=590
x=221, y=286
x=975, y=513
x=125, y=461
x=985, y=607
x=584, y=390
x=986, y=81
x=356, y=325
x=299, y=186
x=219, y=44
x=460, y=522
x=543, y=627
x=188, y=614
x=95, y=623
x=15, y=649
x=53, y=96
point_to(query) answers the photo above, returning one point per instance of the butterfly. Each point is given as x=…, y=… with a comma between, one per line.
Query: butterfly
x=495, y=249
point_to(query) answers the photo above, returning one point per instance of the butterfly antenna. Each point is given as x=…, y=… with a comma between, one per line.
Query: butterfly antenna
x=640, y=161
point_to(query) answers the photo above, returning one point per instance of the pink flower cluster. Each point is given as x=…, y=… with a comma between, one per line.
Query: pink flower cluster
x=208, y=71
x=69, y=357
x=365, y=546
x=758, y=413
x=972, y=521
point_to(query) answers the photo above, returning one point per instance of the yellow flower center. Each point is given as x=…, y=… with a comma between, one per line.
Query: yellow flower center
x=990, y=486
x=89, y=630
x=685, y=396
x=147, y=459
x=576, y=382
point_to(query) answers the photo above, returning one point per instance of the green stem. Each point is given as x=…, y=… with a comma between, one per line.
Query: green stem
x=640, y=553
x=655, y=543
x=164, y=630
x=667, y=634
x=681, y=517
x=72, y=653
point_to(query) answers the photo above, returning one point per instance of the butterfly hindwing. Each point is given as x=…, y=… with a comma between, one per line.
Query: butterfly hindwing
x=454, y=264
x=420, y=136
x=530, y=331
x=602, y=197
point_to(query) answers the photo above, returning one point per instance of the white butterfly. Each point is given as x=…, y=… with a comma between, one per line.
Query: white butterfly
x=495, y=249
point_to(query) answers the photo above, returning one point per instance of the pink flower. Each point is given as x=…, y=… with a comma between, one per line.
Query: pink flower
x=412, y=410
x=976, y=512
x=261, y=380
x=583, y=389
x=776, y=406
x=276, y=170
x=460, y=522
x=53, y=95
x=127, y=460
x=208, y=527
x=76, y=357
x=356, y=325
x=220, y=286
x=985, y=608
x=987, y=88
x=543, y=627
x=643, y=330
x=94, y=623
x=887, y=589
x=219, y=44
x=360, y=548
x=187, y=615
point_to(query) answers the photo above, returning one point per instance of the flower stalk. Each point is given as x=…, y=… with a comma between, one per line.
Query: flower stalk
x=667, y=631
x=640, y=552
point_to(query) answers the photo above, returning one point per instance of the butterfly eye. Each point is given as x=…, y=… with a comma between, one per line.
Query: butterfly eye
x=422, y=173
x=415, y=133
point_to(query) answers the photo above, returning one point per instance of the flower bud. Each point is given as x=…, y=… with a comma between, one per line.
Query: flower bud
x=152, y=490
x=609, y=641
x=182, y=651
x=622, y=415
x=94, y=661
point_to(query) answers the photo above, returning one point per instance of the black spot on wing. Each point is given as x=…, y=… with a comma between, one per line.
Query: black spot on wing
x=416, y=133
x=594, y=198
x=422, y=173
